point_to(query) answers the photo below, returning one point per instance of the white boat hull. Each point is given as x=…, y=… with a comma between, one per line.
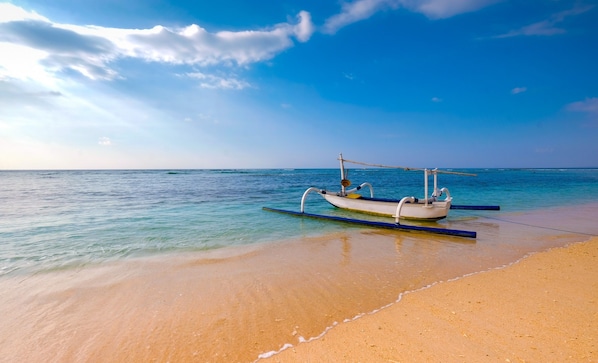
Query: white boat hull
x=419, y=210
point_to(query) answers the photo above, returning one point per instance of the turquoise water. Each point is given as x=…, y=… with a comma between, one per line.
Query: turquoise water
x=64, y=219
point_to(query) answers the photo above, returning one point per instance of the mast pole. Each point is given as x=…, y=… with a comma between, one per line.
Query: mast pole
x=426, y=186
x=435, y=182
x=340, y=157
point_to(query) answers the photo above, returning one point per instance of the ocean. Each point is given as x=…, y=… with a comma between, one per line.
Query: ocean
x=67, y=219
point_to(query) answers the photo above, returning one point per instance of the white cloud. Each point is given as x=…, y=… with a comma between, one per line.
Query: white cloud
x=104, y=141
x=90, y=50
x=305, y=28
x=517, y=90
x=547, y=27
x=10, y=12
x=355, y=11
x=436, y=99
x=34, y=43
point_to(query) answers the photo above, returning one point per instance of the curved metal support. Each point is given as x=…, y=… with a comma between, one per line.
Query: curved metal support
x=366, y=184
x=448, y=194
x=400, y=206
x=309, y=190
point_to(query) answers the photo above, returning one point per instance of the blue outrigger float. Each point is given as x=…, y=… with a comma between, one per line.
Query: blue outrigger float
x=430, y=208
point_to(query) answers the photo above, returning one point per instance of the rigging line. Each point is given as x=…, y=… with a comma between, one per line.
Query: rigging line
x=406, y=168
x=535, y=226
x=380, y=165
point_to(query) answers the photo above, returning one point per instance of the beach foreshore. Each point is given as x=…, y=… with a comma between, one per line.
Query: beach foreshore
x=358, y=295
x=543, y=308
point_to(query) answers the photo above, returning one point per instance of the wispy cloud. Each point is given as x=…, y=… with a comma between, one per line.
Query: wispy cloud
x=202, y=118
x=349, y=76
x=589, y=106
x=92, y=50
x=212, y=81
x=549, y=26
x=104, y=141
x=442, y=9
x=518, y=90
x=352, y=12
x=436, y=99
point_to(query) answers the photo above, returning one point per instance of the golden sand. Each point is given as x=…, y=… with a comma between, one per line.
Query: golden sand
x=541, y=309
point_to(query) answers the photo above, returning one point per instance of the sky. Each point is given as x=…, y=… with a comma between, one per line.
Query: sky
x=155, y=84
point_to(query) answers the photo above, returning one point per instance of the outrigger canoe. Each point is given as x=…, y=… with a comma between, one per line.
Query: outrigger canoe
x=428, y=208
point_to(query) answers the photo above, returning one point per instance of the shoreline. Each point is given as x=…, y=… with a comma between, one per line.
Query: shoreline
x=501, y=314
x=244, y=303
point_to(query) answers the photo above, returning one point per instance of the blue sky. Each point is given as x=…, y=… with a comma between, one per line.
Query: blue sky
x=268, y=84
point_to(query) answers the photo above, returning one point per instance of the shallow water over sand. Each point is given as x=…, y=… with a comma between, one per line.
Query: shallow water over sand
x=70, y=219
x=238, y=303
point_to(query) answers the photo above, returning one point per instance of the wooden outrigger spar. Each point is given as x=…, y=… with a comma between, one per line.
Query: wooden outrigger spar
x=394, y=226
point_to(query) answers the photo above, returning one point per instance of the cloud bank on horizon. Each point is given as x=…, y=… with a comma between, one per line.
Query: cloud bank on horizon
x=68, y=69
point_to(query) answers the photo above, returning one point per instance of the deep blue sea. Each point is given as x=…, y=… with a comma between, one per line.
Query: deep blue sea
x=63, y=219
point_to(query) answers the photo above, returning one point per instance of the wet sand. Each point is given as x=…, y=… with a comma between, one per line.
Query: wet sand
x=207, y=307
x=542, y=309
x=334, y=297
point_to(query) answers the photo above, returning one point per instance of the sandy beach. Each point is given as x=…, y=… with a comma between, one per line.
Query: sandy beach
x=355, y=296
x=543, y=308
